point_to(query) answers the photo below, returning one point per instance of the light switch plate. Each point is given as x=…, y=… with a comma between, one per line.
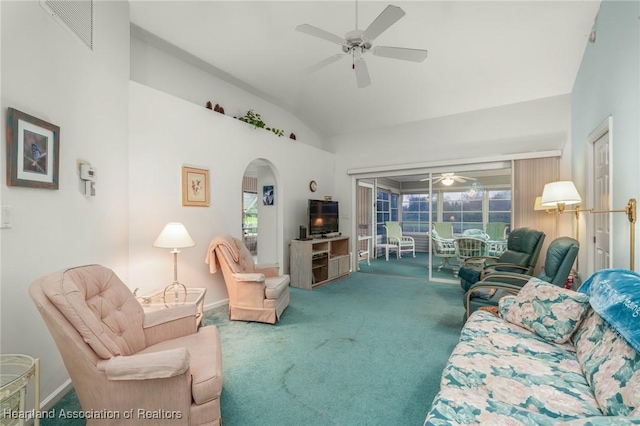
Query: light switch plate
x=5, y=217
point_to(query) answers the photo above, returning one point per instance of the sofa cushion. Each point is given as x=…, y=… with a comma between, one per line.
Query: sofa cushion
x=499, y=368
x=550, y=311
x=587, y=335
x=458, y=406
x=611, y=366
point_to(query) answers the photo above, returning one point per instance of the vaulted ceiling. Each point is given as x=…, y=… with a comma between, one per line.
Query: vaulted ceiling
x=482, y=54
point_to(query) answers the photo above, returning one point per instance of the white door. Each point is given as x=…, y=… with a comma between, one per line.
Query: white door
x=601, y=197
x=365, y=222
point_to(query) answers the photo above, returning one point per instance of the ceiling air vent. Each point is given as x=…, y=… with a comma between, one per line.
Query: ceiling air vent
x=76, y=16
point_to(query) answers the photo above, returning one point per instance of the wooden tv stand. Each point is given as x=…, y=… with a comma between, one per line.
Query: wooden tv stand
x=318, y=261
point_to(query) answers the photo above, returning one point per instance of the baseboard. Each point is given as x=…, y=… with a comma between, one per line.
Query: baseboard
x=214, y=305
x=56, y=395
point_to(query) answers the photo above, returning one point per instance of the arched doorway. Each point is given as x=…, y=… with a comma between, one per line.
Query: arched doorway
x=262, y=201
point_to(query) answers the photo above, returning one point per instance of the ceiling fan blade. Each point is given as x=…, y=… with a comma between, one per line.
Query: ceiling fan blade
x=362, y=74
x=435, y=179
x=403, y=53
x=323, y=63
x=387, y=18
x=462, y=179
x=320, y=33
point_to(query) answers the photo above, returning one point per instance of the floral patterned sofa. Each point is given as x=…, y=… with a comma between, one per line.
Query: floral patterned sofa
x=549, y=359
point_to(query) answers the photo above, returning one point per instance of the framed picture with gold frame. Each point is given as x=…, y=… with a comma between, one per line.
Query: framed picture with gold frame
x=195, y=187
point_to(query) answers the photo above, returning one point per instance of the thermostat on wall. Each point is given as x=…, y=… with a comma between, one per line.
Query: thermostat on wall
x=87, y=172
x=88, y=175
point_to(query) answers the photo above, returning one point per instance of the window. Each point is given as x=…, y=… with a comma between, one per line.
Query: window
x=415, y=212
x=500, y=206
x=250, y=220
x=383, y=212
x=394, y=207
x=463, y=210
x=386, y=209
x=250, y=212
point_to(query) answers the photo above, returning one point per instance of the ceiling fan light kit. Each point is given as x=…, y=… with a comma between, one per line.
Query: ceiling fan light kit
x=448, y=179
x=357, y=43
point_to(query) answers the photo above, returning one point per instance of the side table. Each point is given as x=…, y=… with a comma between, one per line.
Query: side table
x=16, y=371
x=157, y=300
x=387, y=248
x=365, y=253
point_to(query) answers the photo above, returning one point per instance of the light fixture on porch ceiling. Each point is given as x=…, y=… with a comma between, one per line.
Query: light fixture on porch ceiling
x=447, y=181
x=475, y=190
x=562, y=193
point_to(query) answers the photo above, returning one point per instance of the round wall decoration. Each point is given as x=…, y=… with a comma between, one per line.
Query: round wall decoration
x=313, y=186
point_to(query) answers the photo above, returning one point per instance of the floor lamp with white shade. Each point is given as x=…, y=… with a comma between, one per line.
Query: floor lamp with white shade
x=562, y=193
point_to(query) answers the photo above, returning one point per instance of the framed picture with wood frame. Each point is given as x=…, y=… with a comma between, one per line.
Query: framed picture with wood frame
x=33, y=149
x=195, y=187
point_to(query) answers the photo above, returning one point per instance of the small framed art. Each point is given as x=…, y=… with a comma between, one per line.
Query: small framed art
x=268, y=196
x=195, y=187
x=33, y=148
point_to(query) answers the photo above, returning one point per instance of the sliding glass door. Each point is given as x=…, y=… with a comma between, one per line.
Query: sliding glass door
x=454, y=201
x=457, y=204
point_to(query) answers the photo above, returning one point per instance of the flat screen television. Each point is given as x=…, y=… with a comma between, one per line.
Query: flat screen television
x=323, y=217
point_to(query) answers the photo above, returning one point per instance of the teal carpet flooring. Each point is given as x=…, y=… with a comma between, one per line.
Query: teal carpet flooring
x=409, y=266
x=366, y=349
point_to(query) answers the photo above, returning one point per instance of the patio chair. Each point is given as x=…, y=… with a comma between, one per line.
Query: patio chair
x=497, y=238
x=444, y=229
x=444, y=248
x=395, y=237
x=468, y=247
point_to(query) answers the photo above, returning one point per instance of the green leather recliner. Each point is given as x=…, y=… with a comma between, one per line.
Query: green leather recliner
x=561, y=254
x=521, y=255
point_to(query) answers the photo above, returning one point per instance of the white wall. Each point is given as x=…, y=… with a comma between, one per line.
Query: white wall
x=154, y=67
x=48, y=73
x=608, y=84
x=538, y=125
x=167, y=132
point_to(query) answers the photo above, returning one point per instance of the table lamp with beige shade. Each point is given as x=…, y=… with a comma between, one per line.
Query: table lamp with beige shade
x=174, y=236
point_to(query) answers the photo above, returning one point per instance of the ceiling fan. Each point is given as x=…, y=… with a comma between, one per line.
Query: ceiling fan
x=448, y=179
x=357, y=43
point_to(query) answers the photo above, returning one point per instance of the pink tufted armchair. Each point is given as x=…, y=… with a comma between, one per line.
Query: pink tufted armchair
x=256, y=292
x=133, y=364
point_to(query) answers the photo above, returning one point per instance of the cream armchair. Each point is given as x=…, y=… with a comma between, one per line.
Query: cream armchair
x=256, y=292
x=125, y=361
